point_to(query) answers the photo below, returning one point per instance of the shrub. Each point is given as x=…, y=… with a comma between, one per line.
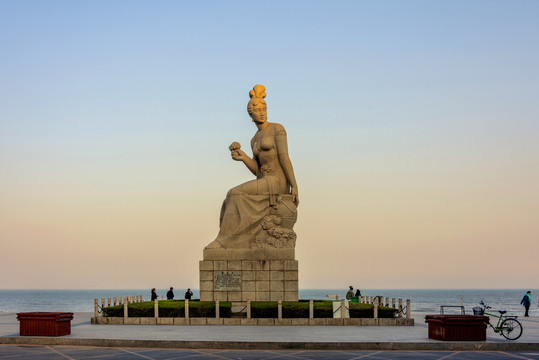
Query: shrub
x=292, y=309
x=358, y=310
x=259, y=309
x=225, y=309
x=113, y=311
x=264, y=309
x=323, y=309
x=295, y=310
x=386, y=312
x=202, y=309
x=170, y=308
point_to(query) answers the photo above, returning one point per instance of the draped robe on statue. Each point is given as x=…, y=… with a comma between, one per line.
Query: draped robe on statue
x=260, y=214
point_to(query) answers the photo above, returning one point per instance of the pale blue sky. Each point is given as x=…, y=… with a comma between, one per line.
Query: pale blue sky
x=413, y=128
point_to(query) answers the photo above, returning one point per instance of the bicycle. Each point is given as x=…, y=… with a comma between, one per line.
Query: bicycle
x=508, y=326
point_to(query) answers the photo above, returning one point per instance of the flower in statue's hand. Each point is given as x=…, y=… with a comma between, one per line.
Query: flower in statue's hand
x=234, y=146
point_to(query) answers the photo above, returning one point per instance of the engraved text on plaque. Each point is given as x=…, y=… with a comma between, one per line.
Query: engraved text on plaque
x=227, y=281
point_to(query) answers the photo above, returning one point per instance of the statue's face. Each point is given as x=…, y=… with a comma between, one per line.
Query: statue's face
x=259, y=113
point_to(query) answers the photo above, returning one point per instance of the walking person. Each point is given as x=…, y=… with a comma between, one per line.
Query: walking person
x=154, y=294
x=188, y=294
x=170, y=293
x=527, y=301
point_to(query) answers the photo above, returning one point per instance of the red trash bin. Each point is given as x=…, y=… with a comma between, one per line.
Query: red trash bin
x=457, y=327
x=44, y=323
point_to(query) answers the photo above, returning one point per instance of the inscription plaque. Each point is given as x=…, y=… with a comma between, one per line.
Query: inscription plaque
x=227, y=281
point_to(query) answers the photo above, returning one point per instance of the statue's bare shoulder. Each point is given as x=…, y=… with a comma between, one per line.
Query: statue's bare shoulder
x=278, y=128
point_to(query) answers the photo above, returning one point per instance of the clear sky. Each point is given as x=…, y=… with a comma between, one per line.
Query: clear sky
x=413, y=128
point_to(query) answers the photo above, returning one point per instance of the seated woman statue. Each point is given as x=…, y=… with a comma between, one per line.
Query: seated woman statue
x=260, y=214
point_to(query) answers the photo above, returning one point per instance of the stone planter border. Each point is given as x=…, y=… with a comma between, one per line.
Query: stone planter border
x=253, y=321
x=279, y=321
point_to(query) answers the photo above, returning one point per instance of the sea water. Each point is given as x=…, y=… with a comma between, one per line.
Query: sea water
x=422, y=300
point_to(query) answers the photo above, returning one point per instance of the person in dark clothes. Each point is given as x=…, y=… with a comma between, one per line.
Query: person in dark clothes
x=527, y=301
x=154, y=294
x=188, y=294
x=170, y=293
x=358, y=293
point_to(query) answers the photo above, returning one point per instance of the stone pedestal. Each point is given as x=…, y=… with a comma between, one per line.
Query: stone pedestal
x=240, y=275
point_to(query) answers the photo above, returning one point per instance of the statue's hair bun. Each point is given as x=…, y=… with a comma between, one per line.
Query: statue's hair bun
x=259, y=91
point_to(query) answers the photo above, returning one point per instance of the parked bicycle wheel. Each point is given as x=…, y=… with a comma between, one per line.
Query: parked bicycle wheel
x=511, y=329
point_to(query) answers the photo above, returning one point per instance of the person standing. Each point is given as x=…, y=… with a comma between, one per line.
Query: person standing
x=350, y=293
x=154, y=294
x=188, y=294
x=527, y=301
x=170, y=293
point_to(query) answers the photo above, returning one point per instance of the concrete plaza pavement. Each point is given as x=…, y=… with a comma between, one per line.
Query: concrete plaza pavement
x=380, y=338
x=58, y=352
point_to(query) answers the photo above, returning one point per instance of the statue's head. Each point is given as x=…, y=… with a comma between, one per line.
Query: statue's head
x=257, y=105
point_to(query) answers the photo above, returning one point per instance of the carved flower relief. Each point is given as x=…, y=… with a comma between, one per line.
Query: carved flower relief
x=270, y=221
x=265, y=169
x=273, y=235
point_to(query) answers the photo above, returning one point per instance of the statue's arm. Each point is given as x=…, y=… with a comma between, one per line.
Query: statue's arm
x=286, y=164
x=251, y=164
x=239, y=155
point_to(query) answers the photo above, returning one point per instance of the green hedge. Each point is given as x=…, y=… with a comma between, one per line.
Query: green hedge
x=322, y=309
x=259, y=309
x=358, y=310
x=264, y=309
x=296, y=310
x=170, y=308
